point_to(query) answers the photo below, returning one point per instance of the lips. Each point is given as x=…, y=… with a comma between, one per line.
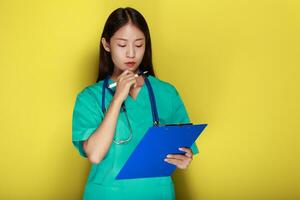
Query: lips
x=130, y=64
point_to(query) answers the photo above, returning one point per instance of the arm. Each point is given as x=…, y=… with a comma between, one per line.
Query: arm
x=180, y=116
x=98, y=144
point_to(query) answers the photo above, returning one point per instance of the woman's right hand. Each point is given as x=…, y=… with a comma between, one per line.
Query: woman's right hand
x=125, y=81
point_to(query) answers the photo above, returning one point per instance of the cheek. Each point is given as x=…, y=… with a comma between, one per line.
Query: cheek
x=140, y=53
x=117, y=56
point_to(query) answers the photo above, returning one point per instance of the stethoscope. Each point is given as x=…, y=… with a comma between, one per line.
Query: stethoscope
x=152, y=101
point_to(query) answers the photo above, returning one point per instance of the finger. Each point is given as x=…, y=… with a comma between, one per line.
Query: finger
x=188, y=151
x=189, y=154
x=176, y=156
x=128, y=72
x=131, y=80
x=173, y=161
x=124, y=74
x=131, y=77
x=126, y=78
x=135, y=84
x=178, y=163
x=182, y=158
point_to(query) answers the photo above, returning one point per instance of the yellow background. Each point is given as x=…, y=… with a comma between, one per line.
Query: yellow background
x=235, y=64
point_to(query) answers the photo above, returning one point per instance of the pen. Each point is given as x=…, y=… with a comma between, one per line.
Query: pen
x=136, y=75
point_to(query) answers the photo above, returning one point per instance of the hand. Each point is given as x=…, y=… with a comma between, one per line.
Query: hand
x=125, y=81
x=181, y=161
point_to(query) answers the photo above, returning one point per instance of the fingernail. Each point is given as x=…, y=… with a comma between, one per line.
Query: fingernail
x=180, y=148
x=168, y=156
x=165, y=159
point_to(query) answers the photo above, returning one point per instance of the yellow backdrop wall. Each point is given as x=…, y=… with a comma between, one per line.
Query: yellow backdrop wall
x=235, y=64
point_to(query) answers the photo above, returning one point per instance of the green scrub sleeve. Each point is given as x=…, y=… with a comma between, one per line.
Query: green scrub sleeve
x=85, y=119
x=180, y=115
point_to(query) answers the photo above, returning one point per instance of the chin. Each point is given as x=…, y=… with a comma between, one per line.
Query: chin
x=133, y=69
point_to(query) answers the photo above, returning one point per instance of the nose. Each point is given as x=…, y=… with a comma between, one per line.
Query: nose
x=130, y=52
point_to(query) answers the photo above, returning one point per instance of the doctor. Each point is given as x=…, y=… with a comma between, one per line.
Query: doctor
x=108, y=123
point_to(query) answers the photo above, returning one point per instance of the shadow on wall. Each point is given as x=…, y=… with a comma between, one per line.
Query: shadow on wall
x=182, y=186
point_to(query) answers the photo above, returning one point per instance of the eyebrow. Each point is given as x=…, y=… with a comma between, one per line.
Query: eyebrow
x=127, y=40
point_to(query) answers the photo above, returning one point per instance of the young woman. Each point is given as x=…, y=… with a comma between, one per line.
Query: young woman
x=108, y=123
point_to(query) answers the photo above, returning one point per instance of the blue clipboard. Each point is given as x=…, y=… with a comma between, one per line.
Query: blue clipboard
x=147, y=160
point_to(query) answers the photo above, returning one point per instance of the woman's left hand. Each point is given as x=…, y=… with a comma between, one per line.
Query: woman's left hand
x=181, y=161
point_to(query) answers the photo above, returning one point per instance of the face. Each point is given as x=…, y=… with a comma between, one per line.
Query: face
x=127, y=48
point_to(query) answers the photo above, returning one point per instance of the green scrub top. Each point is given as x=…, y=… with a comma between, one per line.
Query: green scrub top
x=87, y=116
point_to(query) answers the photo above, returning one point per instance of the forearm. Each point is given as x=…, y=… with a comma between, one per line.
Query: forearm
x=97, y=146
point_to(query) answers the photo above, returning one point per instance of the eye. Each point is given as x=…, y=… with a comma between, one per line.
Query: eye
x=140, y=45
x=121, y=45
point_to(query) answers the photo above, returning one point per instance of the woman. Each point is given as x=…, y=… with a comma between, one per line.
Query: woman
x=108, y=123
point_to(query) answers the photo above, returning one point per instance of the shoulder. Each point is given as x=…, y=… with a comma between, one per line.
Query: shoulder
x=90, y=92
x=161, y=85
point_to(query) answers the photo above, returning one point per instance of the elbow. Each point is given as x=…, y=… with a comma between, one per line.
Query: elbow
x=94, y=159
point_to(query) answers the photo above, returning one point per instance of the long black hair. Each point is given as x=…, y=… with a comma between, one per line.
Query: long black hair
x=115, y=21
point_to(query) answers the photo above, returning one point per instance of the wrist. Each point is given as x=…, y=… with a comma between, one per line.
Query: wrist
x=116, y=101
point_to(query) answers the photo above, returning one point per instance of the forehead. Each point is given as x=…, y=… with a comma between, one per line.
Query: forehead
x=128, y=32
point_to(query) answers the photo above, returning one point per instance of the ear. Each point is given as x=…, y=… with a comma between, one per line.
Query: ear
x=105, y=45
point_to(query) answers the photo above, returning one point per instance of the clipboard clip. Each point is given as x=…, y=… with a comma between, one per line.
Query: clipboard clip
x=177, y=124
x=156, y=123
